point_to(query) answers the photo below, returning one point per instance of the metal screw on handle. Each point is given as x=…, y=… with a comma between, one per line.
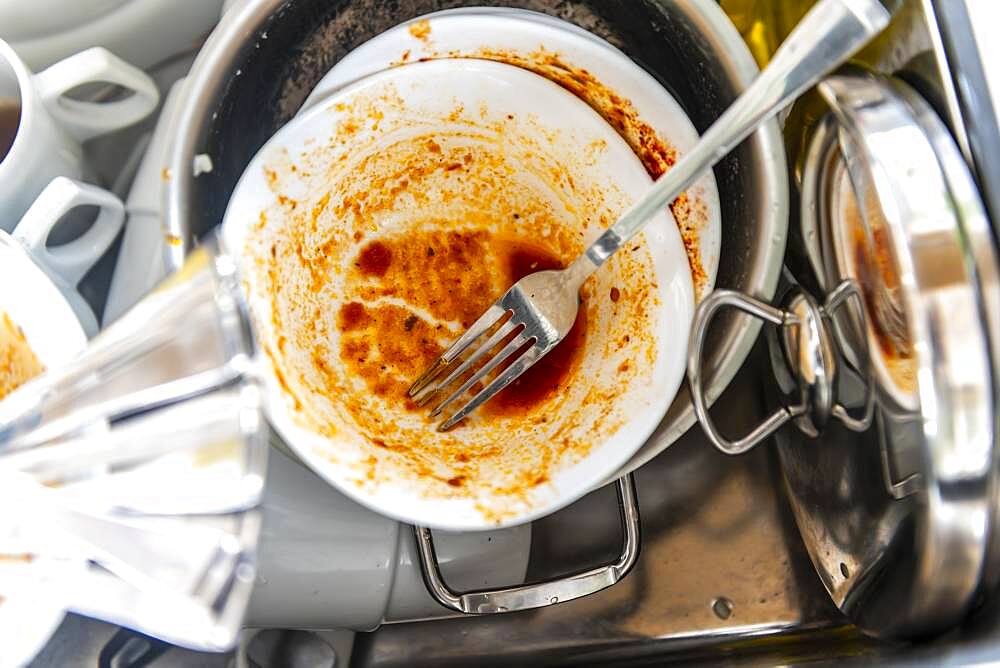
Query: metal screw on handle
x=809, y=352
x=526, y=597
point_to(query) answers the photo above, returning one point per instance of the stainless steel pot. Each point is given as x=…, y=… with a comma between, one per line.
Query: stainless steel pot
x=266, y=55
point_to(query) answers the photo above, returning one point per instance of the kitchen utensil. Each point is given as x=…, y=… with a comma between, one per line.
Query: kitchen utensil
x=641, y=110
x=66, y=264
x=52, y=125
x=542, y=307
x=924, y=480
x=689, y=45
x=496, y=96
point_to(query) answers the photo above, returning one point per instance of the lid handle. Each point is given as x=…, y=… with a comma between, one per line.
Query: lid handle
x=806, y=328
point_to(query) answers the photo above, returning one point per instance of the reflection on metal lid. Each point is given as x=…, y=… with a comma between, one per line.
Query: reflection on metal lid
x=920, y=498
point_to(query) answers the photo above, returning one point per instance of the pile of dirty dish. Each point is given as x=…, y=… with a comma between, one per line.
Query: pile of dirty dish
x=428, y=170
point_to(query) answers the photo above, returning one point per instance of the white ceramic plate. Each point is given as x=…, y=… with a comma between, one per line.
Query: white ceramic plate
x=301, y=170
x=468, y=31
x=28, y=618
x=37, y=306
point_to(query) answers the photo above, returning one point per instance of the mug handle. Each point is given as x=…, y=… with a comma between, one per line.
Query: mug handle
x=84, y=120
x=71, y=261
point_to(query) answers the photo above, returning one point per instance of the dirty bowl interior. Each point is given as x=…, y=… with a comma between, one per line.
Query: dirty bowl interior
x=380, y=223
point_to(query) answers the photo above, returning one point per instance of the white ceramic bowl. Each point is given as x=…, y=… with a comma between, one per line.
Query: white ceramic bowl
x=28, y=618
x=542, y=144
x=536, y=41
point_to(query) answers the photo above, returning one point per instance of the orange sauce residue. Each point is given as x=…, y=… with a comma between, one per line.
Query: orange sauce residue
x=362, y=284
x=872, y=264
x=443, y=275
x=18, y=363
x=421, y=30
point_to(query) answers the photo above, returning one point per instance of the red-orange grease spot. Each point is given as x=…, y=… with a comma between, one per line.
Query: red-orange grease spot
x=375, y=259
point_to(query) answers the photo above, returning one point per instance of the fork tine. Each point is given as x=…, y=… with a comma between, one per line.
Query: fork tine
x=428, y=390
x=478, y=328
x=507, y=350
x=509, y=375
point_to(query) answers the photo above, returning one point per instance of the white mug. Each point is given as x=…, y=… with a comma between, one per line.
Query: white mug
x=51, y=127
x=68, y=263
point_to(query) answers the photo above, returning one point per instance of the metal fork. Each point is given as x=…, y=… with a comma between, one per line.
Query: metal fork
x=539, y=310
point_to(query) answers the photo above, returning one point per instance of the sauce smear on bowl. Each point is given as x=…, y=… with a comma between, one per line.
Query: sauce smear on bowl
x=413, y=292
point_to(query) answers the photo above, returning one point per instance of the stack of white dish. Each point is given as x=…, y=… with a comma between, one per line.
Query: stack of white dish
x=465, y=46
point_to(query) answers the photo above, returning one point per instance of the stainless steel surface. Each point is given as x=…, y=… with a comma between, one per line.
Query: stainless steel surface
x=538, y=594
x=808, y=359
x=972, y=70
x=541, y=308
x=713, y=527
x=897, y=521
x=970, y=207
x=690, y=45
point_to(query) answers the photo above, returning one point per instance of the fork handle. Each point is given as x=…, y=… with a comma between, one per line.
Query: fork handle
x=829, y=34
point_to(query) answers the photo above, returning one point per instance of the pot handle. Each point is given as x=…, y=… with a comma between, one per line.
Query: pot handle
x=707, y=310
x=816, y=374
x=541, y=594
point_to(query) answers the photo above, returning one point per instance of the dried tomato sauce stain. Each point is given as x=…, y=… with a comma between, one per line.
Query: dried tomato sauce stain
x=374, y=259
x=453, y=276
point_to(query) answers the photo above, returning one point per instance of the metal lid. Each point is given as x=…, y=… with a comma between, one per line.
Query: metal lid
x=899, y=521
